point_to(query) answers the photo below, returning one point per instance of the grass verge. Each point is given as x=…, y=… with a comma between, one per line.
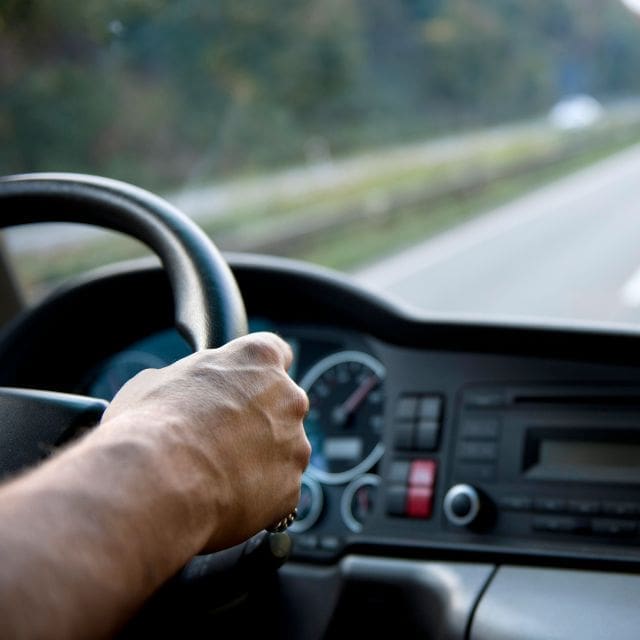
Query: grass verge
x=387, y=178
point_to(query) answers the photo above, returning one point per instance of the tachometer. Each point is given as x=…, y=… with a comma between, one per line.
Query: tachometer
x=346, y=415
x=358, y=501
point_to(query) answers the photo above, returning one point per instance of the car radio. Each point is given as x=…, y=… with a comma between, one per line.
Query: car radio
x=547, y=461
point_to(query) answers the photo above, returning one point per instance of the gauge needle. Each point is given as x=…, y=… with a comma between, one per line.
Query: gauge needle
x=363, y=501
x=341, y=413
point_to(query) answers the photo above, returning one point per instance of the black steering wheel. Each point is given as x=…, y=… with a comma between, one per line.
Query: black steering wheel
x=209, y=312
x=208, y=306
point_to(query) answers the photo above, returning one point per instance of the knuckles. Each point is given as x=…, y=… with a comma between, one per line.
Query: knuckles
x=305, y=452
x=299, y=401
x=266, y=348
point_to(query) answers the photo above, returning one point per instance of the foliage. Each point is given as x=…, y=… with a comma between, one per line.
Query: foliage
x=161, y=92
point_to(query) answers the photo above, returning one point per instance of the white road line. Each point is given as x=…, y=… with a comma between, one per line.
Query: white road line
x=545, y=201
x=630, y=292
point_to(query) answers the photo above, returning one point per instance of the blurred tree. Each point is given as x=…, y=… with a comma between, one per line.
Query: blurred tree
x=163, y=91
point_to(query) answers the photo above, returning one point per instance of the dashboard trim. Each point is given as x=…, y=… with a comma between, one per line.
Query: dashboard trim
x=290, y=292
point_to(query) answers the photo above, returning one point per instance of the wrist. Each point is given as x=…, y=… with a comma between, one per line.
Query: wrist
x=167, y=475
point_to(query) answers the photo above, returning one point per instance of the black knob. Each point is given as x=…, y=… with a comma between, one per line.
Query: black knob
x=461, y=505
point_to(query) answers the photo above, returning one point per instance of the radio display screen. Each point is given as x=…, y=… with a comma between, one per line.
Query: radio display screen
x=560, y=459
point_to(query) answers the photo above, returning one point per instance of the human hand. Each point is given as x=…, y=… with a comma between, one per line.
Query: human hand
x=228, y=425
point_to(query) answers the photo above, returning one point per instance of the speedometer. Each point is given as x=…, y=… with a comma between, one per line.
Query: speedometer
x=346, y=415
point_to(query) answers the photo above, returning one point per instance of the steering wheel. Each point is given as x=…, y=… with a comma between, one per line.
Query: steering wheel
x=208, y=306
x=209, y=312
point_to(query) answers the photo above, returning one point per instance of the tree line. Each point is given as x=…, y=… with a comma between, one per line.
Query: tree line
x=160, y=92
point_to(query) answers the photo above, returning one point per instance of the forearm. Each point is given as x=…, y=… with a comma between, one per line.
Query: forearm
x=91, y=534
x=197, y=456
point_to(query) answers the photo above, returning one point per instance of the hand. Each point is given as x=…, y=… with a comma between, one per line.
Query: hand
x=232, y=418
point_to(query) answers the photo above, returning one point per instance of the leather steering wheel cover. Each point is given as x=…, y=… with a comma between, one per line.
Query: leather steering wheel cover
x=208, y=306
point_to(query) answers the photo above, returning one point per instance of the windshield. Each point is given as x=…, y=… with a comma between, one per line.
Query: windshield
x=465, y=156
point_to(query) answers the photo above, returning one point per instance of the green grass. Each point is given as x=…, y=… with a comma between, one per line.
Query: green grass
x=357, y=243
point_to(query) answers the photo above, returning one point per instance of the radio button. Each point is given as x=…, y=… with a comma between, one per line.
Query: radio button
x=584, y=507
x=406, y=408
x=403, y=435
x=477, y=451
x=486, y=428
x=423, y=473
x=515, y=503
x=419, y=502
x=397, y=501
x=399, y=472
x=551, y=505
x=621, y=509
x=427, y=433
x=461, y=505
x=475, y=471
x=483, y=399
x=552, y=524
x=430, y=408
x=614, y=528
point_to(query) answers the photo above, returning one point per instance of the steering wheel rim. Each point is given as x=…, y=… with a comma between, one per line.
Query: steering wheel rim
x=208, y=306
x=209, y=310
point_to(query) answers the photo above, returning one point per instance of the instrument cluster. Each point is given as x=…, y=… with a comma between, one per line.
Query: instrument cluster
x=345, y=423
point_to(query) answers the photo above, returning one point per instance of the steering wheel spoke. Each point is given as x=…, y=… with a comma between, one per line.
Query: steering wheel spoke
x=208, y=307
x=35, y=422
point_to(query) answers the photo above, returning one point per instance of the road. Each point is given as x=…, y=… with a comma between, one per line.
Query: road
x=568, y=250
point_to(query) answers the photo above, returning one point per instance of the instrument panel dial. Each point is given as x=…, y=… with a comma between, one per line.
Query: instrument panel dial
x=346, y=415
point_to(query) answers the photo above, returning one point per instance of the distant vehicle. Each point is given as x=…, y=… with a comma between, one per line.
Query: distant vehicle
x=576, y=112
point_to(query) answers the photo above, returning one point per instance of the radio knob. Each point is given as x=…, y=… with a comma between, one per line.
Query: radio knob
x=461, y=505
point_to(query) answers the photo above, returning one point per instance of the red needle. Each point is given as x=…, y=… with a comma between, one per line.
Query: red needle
x=354, y=400
x=363, y=499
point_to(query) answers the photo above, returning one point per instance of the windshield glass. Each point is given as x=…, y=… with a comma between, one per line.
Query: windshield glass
x=467, y=156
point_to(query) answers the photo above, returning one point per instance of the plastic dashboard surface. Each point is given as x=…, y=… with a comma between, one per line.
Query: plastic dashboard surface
x=444, y=441
x=394, y=430
x=403, y=409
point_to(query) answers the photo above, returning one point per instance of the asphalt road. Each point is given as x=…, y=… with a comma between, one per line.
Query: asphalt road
x=568, y=250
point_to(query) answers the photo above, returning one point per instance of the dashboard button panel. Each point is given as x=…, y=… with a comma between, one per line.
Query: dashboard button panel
x=418, y=421
x=550, y=505
x=403, y=436
x=399, y=472
x=484, y=428
x=413, y=496
x=426, y=436
x=516, y=503
x=613, y=528
x=430, y=408
x=422, y=473
x=477, y=451
x=560, y=524
x=397, y=500
x=419, y=502
x=554, y=465
x=621, y=509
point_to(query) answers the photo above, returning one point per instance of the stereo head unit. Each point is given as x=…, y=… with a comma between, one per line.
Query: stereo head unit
x=548, y=463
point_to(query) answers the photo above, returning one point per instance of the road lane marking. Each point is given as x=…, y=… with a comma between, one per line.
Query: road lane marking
x=546, y=201
x=630, y=292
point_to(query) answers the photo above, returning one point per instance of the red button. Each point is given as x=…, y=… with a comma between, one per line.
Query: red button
x=423, y=473
x=419, y=502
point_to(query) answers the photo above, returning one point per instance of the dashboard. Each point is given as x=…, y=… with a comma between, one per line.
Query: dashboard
x=487, y=470
x=526, y=457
